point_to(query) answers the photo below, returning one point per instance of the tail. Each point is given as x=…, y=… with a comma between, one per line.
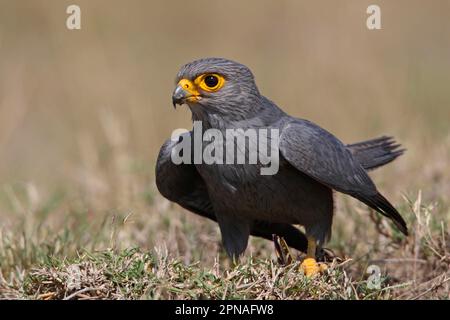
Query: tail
x=379, y=203
x=375, y=153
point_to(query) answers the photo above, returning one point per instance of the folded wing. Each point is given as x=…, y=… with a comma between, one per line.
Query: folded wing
x=317, y=153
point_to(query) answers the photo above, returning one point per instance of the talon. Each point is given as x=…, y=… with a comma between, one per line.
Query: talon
x=323, y=267
x=310, y=267
x=282, y=251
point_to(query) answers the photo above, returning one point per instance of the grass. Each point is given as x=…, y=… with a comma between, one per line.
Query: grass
x=131, y=274
x=93, y=258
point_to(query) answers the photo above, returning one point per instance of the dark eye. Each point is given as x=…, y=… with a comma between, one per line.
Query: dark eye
x=211, y=81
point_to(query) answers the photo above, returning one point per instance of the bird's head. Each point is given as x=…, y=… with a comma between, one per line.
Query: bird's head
x=215, y=85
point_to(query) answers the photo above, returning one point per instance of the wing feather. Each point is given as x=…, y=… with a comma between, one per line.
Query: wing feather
x=317, y=153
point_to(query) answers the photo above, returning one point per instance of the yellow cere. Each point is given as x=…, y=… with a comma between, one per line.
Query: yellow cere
x=190, y=88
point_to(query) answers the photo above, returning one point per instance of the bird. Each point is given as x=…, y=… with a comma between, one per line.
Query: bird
x=313, y=164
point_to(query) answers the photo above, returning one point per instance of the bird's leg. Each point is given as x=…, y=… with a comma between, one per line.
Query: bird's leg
x=310, y=266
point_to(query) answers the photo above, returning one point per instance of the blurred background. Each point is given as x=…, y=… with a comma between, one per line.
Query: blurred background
x=83, y=113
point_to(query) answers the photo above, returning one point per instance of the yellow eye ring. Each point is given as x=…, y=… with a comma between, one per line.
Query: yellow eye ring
x=210, y=82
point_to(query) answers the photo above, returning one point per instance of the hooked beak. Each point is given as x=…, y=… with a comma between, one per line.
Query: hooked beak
x=179, y=96
x=184, y=92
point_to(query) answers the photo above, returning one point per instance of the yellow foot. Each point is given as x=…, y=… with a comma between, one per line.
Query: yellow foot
x=311, y=268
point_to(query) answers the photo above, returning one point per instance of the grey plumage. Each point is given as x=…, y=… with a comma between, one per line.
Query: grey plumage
x=312, y=163
x=376, y=152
